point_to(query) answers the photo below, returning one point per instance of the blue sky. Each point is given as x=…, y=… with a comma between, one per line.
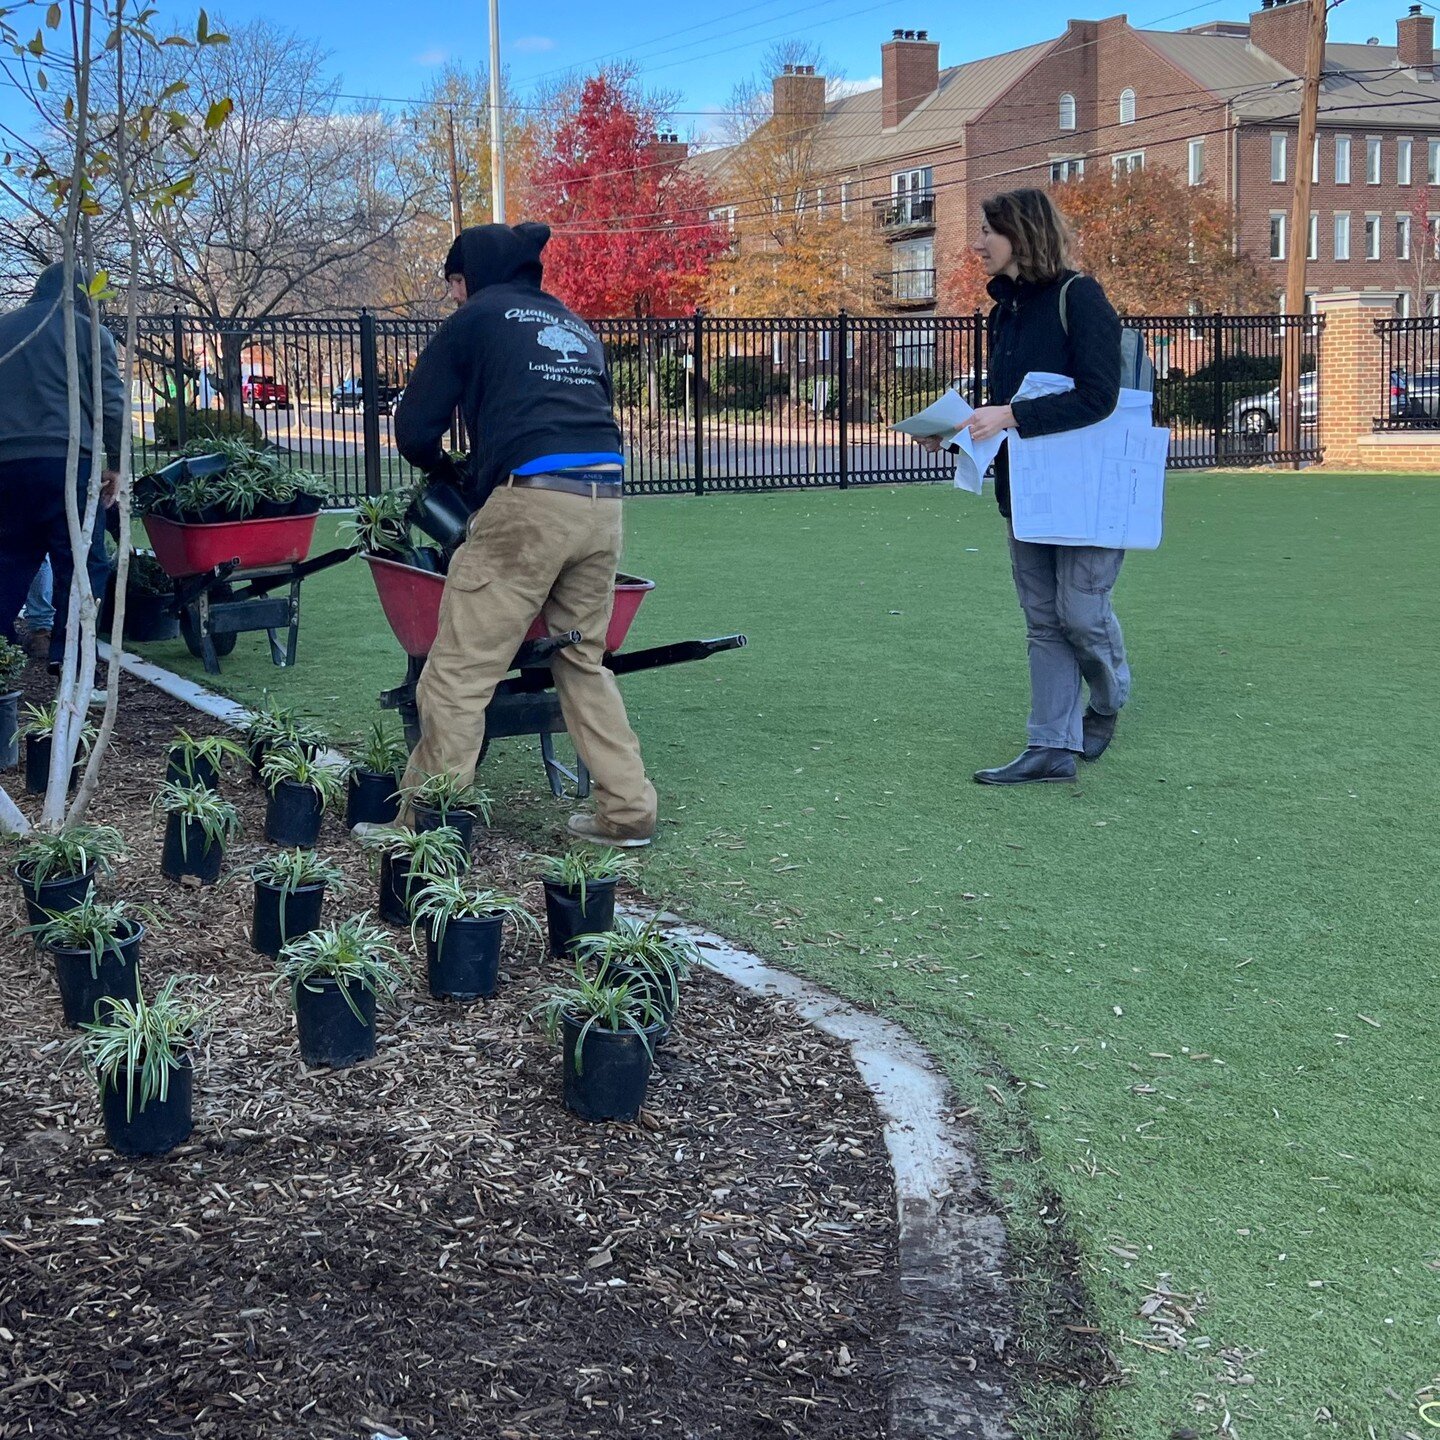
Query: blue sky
x=381, y=47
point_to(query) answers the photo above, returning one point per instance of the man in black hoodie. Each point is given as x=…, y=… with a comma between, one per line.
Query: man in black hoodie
x=529, y=379
x=34, y=437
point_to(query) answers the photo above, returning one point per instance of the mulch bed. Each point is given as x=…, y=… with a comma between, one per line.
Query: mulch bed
x=428, y=1244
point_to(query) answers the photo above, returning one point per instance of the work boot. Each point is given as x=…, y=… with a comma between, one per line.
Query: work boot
x=591, y=828
x=1035, y=765
x=37, y=642
x=1099, y=732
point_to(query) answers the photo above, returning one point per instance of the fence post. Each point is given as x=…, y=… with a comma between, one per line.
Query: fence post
x=177, y=340
x=843, y=370
x=369, y=407
x=980, y=367
x=1217, y=383
x=697, y=351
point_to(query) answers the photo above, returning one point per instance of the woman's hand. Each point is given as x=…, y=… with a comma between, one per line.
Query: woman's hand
x=928, y=443
x=989, y=420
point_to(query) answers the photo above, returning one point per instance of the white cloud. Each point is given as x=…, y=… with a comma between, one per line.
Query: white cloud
x=839, y=89
x=533, y=44
x=436, y=55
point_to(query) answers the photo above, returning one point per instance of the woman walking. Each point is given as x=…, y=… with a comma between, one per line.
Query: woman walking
x=1064, y=590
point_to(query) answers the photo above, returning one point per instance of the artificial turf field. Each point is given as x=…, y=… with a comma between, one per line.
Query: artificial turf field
x=1200, y=984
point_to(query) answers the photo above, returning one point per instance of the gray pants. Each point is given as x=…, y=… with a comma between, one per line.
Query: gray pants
x=1072, y=633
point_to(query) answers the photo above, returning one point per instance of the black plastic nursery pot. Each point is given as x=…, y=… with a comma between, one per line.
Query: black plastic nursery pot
x=569, y=915
x=330, y=1033
x=202, y=772
x=278, y=918
x=460, y=821
x=161, y=1125
x=398, y=888
x=56, y=895
x=9, y=730
x=117, y=977
x=293, y=814
x=150, y=617
x=653, y=989
x=610, y=1082
x=188, y=853
x=37, y=765
x=255, y=750
x=371, y=798
x=465, y=964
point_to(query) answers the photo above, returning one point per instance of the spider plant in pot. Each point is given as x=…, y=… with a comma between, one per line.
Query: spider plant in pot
x=608, y=1033
x=55, y=870
x=443, y=800
x=380, y=527
x=335, y=977
x=372, y=783
x=409, y=860
x=195, y=501
x=645, y=958
x=150, y=613
x=300, y=788
x=237, y=491
x=198, y=826
x=96, y=948
x=141, y=1053
x=289, y=893
x=275, y=724
x=39, y=730
x=463, y=927
x=199, y=762
x=12, y=666
x=580, y=893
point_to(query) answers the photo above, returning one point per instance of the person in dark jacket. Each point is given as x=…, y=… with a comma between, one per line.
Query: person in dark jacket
x=34, y=437
x=545, y=471
x=1064, y=590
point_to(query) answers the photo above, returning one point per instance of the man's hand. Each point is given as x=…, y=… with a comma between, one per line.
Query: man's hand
x=989, y=420
x=109, y=487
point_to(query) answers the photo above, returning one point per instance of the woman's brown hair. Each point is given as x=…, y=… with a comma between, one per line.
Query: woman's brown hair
x=1036, y=229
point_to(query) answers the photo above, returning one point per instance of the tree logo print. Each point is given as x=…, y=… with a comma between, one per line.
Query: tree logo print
x=566, y=343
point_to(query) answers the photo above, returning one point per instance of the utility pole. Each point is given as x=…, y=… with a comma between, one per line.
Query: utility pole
x=1292, y=341
x=457, y=218
x=497, y=131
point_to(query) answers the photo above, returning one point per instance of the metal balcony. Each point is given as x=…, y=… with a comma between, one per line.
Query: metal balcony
x=905, y=289
x=905, y=214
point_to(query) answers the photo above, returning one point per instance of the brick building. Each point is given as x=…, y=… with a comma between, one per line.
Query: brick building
x=1217, y=104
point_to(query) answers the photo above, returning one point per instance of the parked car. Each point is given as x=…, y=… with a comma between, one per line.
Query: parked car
x=1260, y=414
x=349, y=394
x=1414, y=397
x=265, y=392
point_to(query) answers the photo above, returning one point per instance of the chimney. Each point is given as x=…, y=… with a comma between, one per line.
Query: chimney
x=1415, y=40
x=909, y=73
x=798, y=96
x=664, y=148
x=1279, y=29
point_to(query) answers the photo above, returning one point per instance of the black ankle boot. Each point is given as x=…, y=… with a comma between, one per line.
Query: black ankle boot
x=1035, y=765
x=1099, y=732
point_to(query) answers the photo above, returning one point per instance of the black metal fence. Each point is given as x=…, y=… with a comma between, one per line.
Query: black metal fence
x=1409, y=374
x=705, y=403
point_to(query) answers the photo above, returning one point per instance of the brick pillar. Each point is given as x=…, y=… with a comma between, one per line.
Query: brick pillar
x=1350, y=378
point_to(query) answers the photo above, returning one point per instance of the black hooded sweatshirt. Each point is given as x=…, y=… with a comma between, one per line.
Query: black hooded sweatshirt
x=527, y=375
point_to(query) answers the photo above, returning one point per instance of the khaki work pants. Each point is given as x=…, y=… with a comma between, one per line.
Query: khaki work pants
x=530, y=551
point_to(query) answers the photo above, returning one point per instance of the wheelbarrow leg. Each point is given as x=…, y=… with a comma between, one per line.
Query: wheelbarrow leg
x=557, y=773
x=207, y=640
x=294, y=622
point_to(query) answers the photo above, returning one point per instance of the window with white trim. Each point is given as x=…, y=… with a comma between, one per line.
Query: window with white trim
x=1068, y=169
x=1432, y=234
x=1402, y=305
x=1402, y=237
x=1196, y=168
x=1372, y=237
x=1342, y=234
x=1372, y=159
x=1067, y=112
x=1312, y=239
x=1277, y=234
x=844, y=199
x=1403, y=149
x=1277, y=156
x=1128, y=163
x=1315, y=162
x=1342, y=159
x=727, y=215
x=1432, y=162
x=1127, y=106
x=1432, y=303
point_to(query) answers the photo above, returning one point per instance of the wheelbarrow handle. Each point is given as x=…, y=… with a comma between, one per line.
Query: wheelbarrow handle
x=678, y=653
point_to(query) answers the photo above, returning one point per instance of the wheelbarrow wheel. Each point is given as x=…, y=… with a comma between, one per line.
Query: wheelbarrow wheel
x=190, y=626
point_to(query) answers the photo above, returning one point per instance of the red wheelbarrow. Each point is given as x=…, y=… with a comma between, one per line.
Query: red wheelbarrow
x=525, y=702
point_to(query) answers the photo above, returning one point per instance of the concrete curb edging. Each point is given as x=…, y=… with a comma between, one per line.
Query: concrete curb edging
x=949, y=1380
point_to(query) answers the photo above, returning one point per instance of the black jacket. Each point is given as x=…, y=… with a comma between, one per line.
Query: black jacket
x=528, y=376
x=1024, y=333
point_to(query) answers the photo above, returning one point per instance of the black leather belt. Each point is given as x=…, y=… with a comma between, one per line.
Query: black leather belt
x=598, y=484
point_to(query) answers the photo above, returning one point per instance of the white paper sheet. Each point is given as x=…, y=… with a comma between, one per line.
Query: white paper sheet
x=942, y=421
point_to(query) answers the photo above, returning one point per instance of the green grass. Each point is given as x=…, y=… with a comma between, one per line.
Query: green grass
x=1172, y=958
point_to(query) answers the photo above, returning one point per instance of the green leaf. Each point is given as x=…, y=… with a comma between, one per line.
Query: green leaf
x=178, y=120
x=37, y=45
x=202, y=27
x=52, y=17
x=219, y=112
x=42, y=79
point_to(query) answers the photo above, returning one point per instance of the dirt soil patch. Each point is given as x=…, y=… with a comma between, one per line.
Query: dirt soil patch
x=428, y=1244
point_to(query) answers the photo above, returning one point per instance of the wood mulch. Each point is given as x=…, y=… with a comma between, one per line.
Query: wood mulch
x=428, y=1244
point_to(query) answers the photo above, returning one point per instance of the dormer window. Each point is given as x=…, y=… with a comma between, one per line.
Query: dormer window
x=1127, y=106
x=1067, y=112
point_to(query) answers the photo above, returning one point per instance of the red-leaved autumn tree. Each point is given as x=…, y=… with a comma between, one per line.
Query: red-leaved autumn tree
x=630, y=229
